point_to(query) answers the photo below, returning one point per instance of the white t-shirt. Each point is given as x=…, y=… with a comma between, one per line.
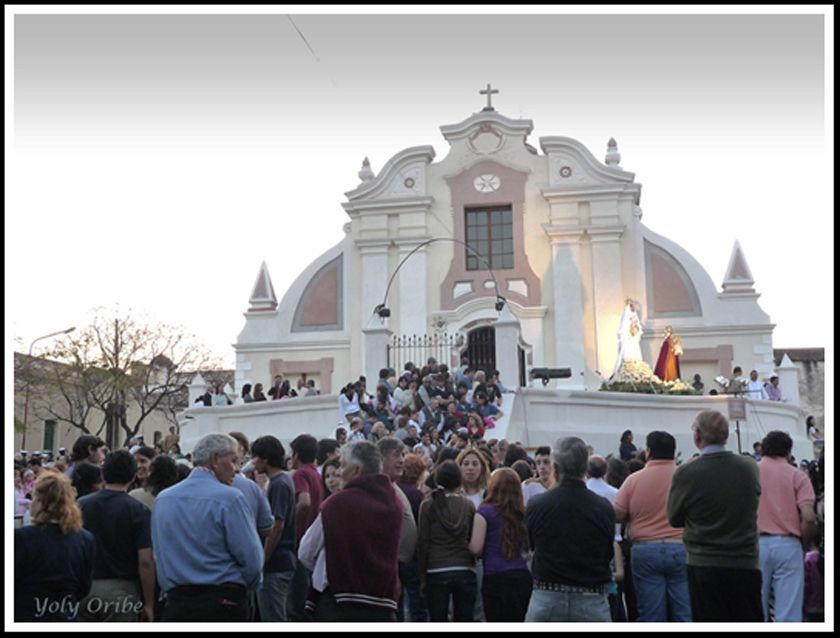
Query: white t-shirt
x=531, y=489
x=607, y=491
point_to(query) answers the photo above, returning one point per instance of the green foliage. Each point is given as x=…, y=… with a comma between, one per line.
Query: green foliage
x=670, y=388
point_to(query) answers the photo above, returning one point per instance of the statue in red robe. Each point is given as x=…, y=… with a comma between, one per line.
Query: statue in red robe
x=668, y=363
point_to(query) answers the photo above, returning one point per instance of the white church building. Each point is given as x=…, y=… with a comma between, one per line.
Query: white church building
x=551, y=235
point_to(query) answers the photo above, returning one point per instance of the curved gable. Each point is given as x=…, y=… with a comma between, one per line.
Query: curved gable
x=572, y=164
x=670, y=290
x=321, y=305
x=404, y=175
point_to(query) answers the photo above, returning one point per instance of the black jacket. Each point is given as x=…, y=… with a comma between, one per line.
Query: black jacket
x=571, y=530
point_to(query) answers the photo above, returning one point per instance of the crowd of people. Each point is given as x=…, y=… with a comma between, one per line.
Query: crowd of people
x=426, y=408
x=414, y=516
x=280, y=389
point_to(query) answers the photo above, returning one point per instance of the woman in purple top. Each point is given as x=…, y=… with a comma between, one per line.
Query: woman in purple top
x=499, y=536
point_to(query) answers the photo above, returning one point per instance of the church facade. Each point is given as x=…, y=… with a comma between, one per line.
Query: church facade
x=553, y=233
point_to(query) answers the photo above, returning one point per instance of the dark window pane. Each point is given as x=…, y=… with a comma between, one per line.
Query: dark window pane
x=507, y=216
x=471, y=233
x=496, y=246
x=507, y=261
x=496, y=217
x=507, y=231
x=481, y=232
x=507, y=246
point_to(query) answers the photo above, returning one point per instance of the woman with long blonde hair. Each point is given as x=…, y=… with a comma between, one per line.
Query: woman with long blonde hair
x=53, y=556
x=500, y=537
x=475, y=472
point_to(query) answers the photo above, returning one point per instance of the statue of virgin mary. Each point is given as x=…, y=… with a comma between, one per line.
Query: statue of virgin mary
x=629, y=336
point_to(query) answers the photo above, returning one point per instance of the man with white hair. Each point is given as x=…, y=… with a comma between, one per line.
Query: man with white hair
x=356, y=532
x=715, y=499
x=206, y=547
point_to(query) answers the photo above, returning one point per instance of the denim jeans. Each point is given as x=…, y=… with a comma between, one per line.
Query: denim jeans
x=273, y=594
x=411, y=596
x=301, y=582
x=661, y=582
x=782, y=569
x=478, y=609
x=556, y=606
x=461, y=585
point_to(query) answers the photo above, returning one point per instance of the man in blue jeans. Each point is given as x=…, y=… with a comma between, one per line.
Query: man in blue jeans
x=280, y=559
x=786, y=522
x=658, y=558
x=571, y=530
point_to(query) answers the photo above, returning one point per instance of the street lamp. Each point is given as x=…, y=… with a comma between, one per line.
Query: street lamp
x=29, y=382
x=383, y=311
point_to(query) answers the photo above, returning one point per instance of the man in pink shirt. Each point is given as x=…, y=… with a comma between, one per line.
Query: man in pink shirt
x=786, y=523
x=658, y=559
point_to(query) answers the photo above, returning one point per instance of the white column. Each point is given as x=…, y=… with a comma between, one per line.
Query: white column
x=374, y=277
x=568, y=305
x=196, y=388
x=788, y=380
x=533, y=334
x=375, y=338
x=412, y=290
x=608, y=292
x=507, y=342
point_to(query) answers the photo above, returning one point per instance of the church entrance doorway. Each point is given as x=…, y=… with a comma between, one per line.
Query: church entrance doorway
x=481, y=349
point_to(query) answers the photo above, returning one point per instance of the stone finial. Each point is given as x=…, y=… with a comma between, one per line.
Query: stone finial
x=366, y=174
x=738, y=278
x=788, y=375
x=262, y=296
x=786, y=363
x=613, y=156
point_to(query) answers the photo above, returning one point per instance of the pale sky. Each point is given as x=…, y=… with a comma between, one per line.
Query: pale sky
x=156, y=160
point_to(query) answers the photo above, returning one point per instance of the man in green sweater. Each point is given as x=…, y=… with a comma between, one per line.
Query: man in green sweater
x=715, y=498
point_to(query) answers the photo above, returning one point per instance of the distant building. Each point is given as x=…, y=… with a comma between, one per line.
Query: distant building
x=45, y=430
x=810, y=365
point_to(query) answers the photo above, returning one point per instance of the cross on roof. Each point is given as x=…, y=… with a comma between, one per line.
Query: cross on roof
x=488, y=92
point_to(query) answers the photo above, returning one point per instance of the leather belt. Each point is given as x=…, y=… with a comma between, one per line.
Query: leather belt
x=571, y=589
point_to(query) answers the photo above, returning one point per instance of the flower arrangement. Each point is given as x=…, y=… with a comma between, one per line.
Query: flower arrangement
x=636, y=376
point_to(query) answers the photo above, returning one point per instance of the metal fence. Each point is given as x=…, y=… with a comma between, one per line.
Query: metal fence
x=444, y=347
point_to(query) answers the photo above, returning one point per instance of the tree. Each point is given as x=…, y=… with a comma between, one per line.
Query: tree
x=115, y=363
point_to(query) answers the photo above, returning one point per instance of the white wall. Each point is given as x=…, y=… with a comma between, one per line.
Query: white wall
x=285, y=419
x=533, y=416
x=542, y=416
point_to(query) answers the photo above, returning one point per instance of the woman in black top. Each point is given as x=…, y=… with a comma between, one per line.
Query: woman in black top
x=53, y=556
x=87, y=478
x=627, y=450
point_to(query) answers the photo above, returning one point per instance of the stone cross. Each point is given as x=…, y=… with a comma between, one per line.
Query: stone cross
x=488, y=92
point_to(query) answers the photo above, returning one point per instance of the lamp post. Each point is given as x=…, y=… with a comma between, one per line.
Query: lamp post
x=383, y=311
x=29, y=382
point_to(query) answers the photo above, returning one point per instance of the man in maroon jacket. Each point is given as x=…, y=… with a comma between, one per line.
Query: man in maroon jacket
x=357, y=531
